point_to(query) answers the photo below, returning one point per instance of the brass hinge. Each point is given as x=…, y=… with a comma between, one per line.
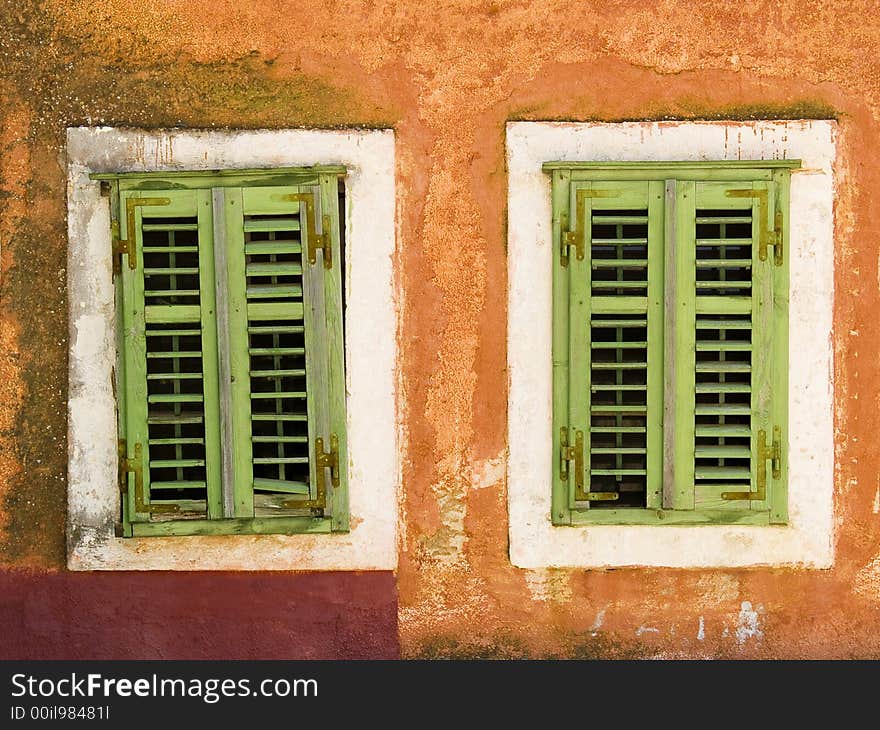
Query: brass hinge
x=575, y=453
x=323, y=460
x=767, y=236
x=134, y=465
x=321, y=242
x=777, y=239
x=577, y=237
x=127, y=247
x=571, y=238
x=766, y=452
x=316, y=241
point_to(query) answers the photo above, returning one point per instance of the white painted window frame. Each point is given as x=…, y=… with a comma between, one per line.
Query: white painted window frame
x=808, y=539
x=370, y=350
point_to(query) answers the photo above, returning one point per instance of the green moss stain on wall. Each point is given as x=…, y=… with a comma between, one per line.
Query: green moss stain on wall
x=66, y=84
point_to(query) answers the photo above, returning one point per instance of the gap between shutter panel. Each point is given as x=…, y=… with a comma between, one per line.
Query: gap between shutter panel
x=669, y=343
x=238, y=353
x=221, y=326
x=683, y=301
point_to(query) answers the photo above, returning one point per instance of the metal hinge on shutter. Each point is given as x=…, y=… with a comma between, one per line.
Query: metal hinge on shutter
x=768, y=236
x=126, y=247
x=316, y=241
x=577, y=237
x=575, y=453
x=134, y=465
x=766, y=452
x=323, y=460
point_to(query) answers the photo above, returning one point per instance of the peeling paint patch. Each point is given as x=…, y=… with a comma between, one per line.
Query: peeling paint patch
x=867, y=580
x=488, y=473
x=552, y=586
x=748, y=626
x=718, y=588
x=446, y=544
x=701, y=632
x=646, y=630
x=600, y=619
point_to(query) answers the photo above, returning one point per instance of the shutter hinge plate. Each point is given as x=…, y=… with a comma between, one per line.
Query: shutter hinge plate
x=321, y=242
x=575, y=453
x=126, y=247
x=577, y=237
x=323, y=460
x=767, y=236
x=316, y=241
x=771, y=452
x=135, y=465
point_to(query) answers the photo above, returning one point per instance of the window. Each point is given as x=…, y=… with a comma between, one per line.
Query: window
x=206, y=176
x=670, y=342
x=649, y=169
x=232, y=401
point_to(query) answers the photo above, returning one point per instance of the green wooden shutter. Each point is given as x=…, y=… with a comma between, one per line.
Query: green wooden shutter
x=608, y=354
x=285, y=345
x=670, y=346
x=170, y=355
x=736, y=348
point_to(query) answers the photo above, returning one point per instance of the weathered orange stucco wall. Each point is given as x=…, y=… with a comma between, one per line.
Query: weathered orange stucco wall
x=447, y=76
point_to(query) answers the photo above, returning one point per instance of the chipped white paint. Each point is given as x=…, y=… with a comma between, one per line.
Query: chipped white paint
x=371, y=323
x=646, y=630
x=748, y=625
x=808, y=538
x=701, y=631
x=600, y=619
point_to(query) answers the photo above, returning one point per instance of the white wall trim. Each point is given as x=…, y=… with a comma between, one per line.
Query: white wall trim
x=371, y=350
x=808, y=539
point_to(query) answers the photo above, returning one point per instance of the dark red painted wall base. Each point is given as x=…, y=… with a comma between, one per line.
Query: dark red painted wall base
x=198, y=616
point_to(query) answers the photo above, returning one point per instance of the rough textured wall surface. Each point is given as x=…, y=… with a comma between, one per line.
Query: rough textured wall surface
x=447, y=76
